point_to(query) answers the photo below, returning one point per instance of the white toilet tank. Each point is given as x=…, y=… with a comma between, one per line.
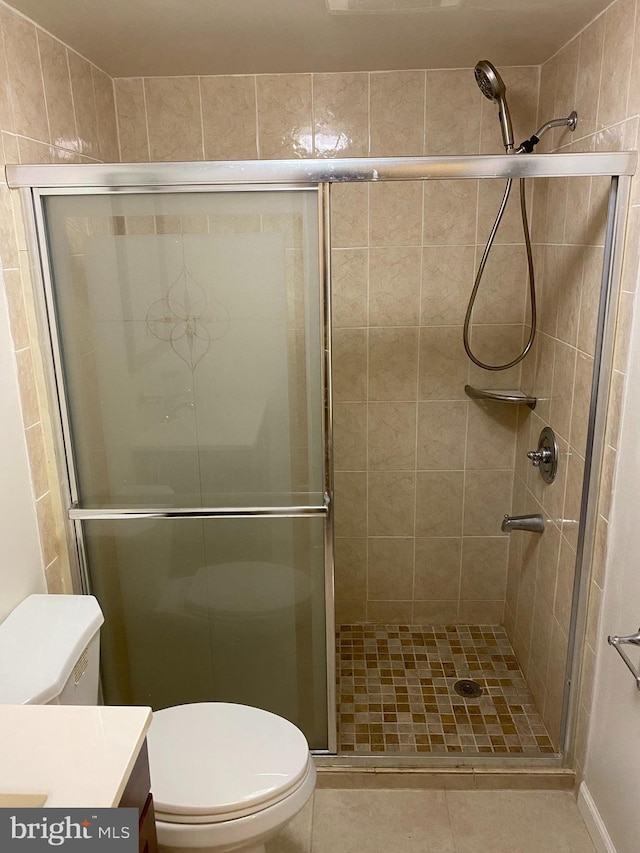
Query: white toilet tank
x=49, y=651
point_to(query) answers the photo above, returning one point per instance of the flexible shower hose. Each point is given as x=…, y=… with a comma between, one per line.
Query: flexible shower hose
x=483, y=262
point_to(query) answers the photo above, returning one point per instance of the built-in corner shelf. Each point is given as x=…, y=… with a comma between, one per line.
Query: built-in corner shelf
x=509, y=396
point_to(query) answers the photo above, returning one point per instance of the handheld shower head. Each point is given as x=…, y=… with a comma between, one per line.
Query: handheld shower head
x=490, y=82
x=492, y=87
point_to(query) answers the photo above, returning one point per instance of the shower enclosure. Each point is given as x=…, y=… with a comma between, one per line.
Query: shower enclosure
x=189, y=313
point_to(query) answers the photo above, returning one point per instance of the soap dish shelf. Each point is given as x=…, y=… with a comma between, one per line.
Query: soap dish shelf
x=517, y=397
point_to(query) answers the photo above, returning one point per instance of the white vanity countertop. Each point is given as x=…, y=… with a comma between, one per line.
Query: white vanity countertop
x=76, y=755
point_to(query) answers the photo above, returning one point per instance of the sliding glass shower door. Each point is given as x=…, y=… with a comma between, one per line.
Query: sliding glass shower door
x=189, y=331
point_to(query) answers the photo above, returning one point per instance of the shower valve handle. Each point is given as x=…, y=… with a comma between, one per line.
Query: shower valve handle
x=540, y=457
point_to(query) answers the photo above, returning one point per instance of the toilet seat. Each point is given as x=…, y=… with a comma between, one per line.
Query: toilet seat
x=214, y=761
x=243, y=833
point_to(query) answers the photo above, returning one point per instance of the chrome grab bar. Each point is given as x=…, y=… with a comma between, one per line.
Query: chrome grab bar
x=631, y=640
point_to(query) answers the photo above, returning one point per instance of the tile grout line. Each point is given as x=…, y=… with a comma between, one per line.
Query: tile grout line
x=73, y=101
x=146, y=116
x=367, y=460
x=467, y=413
x=44, y=90
x=417, y=419
x=201, y=106
x=257, y=115
x=448, y=807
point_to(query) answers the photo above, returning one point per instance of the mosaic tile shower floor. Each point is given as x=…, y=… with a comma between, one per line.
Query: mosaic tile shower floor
x=395, y=692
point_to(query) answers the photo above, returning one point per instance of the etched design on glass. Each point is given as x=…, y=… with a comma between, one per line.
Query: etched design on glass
x=187, y=318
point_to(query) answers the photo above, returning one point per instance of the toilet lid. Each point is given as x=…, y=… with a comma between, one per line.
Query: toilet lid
x=216, y=759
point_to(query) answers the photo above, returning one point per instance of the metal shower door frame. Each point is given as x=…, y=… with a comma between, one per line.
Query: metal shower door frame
x=39, y=181
x=34, y=201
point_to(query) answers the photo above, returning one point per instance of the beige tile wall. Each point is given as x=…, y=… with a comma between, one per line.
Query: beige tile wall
x=378, y=114
x=423, y=477
x=55, y=107
x=558, y=371
x=595, y=74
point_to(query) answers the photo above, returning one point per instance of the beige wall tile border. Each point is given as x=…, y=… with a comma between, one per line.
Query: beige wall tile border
x=58, y=580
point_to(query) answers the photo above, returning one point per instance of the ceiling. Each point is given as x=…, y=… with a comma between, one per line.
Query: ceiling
x=130, y=38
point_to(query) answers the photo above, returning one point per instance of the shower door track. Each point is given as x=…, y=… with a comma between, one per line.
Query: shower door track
x=38, y=181
x=194, y=176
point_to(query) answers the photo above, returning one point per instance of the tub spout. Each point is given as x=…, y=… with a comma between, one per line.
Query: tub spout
x=533, y=523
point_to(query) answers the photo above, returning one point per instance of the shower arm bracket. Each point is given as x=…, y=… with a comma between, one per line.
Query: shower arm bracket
x=570, y=121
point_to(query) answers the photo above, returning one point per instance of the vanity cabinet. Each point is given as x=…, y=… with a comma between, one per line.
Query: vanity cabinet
x=137, y=794
x=80, y=756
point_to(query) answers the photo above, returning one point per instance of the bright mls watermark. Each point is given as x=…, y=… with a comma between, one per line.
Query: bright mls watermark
x=68, y=830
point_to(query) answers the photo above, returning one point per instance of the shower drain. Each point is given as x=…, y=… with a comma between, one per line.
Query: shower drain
x=467, y=687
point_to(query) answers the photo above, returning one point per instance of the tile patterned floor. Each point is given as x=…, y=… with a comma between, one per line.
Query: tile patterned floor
x=395, y=692
x=391, y=821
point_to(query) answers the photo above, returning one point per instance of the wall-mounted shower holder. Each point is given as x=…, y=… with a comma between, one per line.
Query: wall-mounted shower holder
x=545, y=458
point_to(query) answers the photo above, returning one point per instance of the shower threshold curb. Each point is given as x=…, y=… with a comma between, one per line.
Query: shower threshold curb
x=454, y=778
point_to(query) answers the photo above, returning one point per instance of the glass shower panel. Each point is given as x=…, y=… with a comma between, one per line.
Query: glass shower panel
x=190, y=335
x=228, y=610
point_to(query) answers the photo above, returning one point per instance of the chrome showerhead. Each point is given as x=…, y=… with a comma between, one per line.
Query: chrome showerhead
x=490, y=82
x=492, y=87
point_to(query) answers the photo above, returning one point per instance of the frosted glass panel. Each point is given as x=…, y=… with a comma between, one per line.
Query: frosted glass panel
x=217, y=610
x=190, y=328
x=190, y=332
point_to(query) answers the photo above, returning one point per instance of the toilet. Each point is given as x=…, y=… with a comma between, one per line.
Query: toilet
x=224, y=777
